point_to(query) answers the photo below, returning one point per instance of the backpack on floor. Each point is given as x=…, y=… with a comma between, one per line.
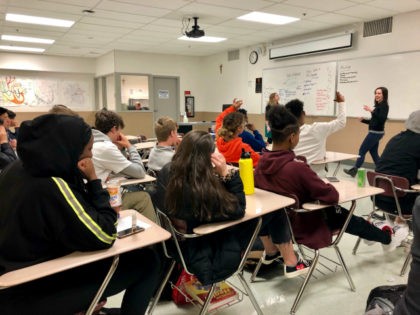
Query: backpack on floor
x=382, y=299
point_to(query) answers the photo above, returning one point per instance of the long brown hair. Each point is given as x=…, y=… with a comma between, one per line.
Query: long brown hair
x=192, y=176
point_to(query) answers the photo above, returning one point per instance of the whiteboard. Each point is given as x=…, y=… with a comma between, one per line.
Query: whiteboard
x=400, y=73
x=30, y=91
x=313, y=84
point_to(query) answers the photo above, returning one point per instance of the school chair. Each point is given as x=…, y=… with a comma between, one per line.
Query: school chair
x=173, y=250
x=319, y=237
x=395, y=187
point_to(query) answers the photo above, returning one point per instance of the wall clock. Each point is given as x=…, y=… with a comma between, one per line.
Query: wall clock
x=253, y=57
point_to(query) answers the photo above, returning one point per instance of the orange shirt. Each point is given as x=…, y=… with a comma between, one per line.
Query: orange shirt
x=232, y=150
x=219, y=119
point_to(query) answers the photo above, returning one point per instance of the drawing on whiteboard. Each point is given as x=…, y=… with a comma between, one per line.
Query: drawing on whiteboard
x=44, y=93
x=12, y=90
x=74, y=93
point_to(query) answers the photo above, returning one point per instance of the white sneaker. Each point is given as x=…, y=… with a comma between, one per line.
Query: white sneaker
x=401, y=232
x=385, y=226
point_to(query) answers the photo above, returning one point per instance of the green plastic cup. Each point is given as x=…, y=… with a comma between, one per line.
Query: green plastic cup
x=361, y=177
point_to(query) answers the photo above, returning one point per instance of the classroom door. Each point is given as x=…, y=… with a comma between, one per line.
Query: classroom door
x=166, y=97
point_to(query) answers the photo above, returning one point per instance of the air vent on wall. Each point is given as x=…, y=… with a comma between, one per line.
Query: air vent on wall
x=377, y=27
x=233, y=55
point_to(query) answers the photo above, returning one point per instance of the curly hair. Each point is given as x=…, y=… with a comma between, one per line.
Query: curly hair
x=282, y=123
x=105, y=120
x=231, y=123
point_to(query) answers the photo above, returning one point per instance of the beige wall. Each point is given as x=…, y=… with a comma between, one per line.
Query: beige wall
x=346, y=140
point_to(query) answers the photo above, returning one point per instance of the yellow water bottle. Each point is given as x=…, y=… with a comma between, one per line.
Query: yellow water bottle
x=246, y=171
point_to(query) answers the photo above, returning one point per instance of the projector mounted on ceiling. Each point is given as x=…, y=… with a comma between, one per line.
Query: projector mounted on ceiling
x=195, y=30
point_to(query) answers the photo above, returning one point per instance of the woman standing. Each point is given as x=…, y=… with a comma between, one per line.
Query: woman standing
x=376, y=129
x=197, y=188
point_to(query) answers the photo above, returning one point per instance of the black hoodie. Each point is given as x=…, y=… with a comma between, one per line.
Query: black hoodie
x=46, y=210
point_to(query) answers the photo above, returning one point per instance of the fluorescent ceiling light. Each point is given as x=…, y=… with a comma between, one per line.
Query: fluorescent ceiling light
x=38, y=20
x=267, y=18
x=27, y=39
x=18, y=48
x=206, y=39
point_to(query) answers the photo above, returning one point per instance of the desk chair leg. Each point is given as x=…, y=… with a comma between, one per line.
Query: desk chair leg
x=161, y=287
x=356, y=246
x=305, y=282
x=337, y=168
x=101, y=289
x=256, y=270
x=405, y=265
x=346, y=271
x=208, y=299
x=250, y=294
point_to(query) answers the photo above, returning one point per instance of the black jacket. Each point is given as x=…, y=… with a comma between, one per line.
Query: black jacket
x=46, y=210
x=379, y=117
x=410, y=302
x=214, y=257
x=401, y=157
x=7, y=155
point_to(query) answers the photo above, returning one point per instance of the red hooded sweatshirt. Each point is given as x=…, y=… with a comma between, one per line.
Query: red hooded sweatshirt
x=281, y=172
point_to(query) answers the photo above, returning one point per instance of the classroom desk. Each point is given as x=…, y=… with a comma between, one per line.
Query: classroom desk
x=331, y=157
x=152, y=235
x=130, y=181
x=416, y=187
x=257, y=204
x=144, y=145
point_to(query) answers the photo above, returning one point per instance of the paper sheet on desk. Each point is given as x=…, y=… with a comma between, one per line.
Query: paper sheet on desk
x=125, y=223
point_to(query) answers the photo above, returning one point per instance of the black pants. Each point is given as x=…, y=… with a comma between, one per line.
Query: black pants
x=336, y=216
x=72, y=291
x=275, y=225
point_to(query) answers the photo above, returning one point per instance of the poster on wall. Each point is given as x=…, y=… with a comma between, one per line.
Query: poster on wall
x=163, y=94
x=30, y=93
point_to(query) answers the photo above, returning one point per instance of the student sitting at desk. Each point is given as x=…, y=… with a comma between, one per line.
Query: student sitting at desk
x=313, y=137
x=167, y=137
x=193, y=192
x=401, y=157
x=279, y=171
x=47, y=211
x=107, y=159
x=249, y=135
x=229, y=143
x=410, y=302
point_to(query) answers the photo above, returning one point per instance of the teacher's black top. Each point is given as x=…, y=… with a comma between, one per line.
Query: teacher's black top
x=379, y=116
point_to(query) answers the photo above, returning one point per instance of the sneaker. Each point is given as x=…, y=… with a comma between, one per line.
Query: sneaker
x=401, y=232
x=385, y=226
x=351, y=171
x=269, y=259
x=301, y=268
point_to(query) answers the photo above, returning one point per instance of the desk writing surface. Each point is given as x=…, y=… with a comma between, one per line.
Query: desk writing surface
x=348, y=191
x=144, y=145
x=416, y=187
x=152, y=235
x=257, y=204
x=331, y=156
x=130, y=181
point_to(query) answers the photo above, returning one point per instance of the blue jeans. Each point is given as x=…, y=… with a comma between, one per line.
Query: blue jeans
x=371, y=144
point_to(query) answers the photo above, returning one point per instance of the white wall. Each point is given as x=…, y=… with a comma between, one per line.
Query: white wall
x=17, y=61
x=238, y=77
x=188, y=69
